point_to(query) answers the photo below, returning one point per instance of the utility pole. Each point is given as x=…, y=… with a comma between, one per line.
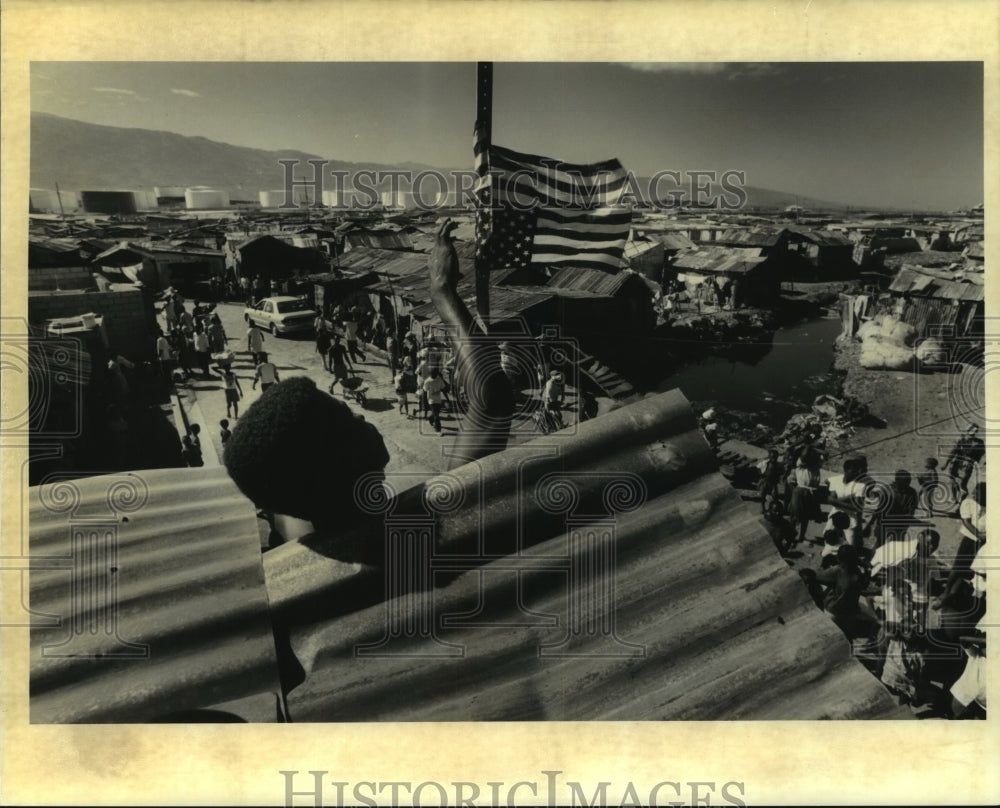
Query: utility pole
x=484, y=130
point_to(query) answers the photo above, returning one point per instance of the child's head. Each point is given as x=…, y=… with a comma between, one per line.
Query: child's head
x=195, y=429
x=931, y=463
x=224, y=423
x=840, y=520
x=831, y=538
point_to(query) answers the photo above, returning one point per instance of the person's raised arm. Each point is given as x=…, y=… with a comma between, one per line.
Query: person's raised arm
x=486, y=427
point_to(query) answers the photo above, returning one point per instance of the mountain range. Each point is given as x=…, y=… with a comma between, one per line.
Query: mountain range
x=86, y=156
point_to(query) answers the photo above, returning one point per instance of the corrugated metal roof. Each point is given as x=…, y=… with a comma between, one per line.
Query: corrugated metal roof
x=758, y=237
x=673, y=241
x=708, y=622
x=167, y=247
x=60, y=245
x=178, y=551
x=976, y=250
x=596, y=281
x=637, y=247
x=382, y=260
x=504, y=300
x=720, y=259
x=910, y=281
x=380, y=239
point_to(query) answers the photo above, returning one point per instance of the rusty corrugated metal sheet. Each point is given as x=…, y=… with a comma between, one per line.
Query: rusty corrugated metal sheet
x=720, y=259
x=379, y=239
x=672, y=241
x=757, y=237
x=595, y=281
x=155, y=589
x=708, y=620
x=925, y=285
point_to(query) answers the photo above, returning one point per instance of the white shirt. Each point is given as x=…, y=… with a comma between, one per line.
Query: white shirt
x=433, y=388
x=162, y=348
x=894, y=552
x=256, y=339
x=971, y=511
x=266, y=372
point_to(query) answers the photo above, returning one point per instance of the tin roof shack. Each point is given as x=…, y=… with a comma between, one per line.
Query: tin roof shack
x=937, y=306
x=53, y=252
x=160, y=265
x=784, y=249
x=646, y=256
x=830, y=254
x=623, y=524
x=673, y=243
x=975, y=253
x=600, y=308
x=268, y=258
x=331, y=289
x=872, y=249
x=757, y=283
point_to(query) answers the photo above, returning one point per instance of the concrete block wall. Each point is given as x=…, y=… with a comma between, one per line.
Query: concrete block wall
x=124, y=311
x=51, y=278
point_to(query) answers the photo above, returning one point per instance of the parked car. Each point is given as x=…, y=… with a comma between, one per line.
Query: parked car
x=281, y=315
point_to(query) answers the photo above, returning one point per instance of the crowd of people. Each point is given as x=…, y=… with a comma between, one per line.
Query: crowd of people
x=190, y=337
x=913, y=617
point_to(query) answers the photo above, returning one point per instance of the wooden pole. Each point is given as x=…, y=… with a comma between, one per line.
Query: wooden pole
x=484, y=126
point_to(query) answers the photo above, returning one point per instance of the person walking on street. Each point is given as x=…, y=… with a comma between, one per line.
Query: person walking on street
x=339, y=361
x=433, y=388
x=233, y=391
x=216, y=335
x=202, y=349
x=266, y=373
x=392, y=353
x=255, y=343
x=323, y=345
x=351, y=333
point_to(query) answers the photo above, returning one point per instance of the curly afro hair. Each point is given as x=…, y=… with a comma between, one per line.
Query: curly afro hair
x=300, y=452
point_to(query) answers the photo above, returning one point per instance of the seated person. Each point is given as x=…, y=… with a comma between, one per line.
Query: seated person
x=845, y=582
x=834, y=538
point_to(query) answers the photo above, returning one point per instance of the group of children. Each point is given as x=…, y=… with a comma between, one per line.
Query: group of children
x=191, y=443
x=880, y=577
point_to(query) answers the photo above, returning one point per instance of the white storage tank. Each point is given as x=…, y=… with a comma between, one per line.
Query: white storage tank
x=145, y=200
x=204, y=198
x=169, y=191
x=45, y=201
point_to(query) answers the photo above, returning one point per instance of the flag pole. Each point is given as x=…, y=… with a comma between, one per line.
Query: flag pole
x=484, y=127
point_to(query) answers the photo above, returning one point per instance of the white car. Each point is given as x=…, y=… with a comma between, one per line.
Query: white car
x=281, y=315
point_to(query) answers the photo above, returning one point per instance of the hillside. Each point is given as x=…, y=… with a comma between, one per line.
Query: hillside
x=79, y=155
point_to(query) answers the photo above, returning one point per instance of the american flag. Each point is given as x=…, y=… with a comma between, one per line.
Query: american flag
x=536, y=211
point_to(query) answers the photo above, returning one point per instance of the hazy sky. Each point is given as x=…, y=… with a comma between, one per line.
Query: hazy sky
x=889, y=133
